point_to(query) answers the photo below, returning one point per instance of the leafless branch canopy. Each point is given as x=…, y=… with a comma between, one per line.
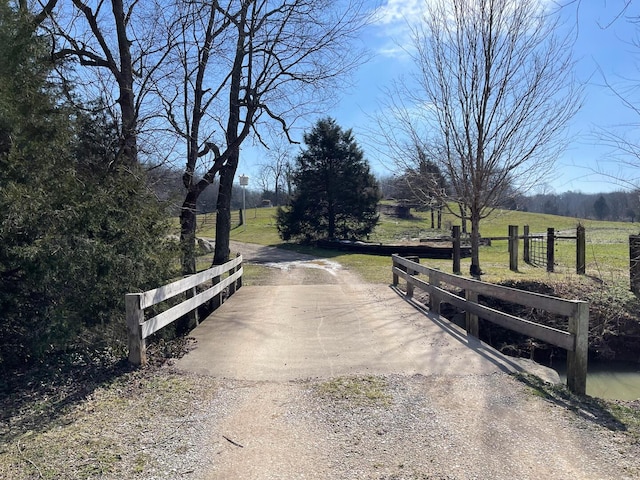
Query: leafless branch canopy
x=125, y=43
x=490, y=98
x=242, y=64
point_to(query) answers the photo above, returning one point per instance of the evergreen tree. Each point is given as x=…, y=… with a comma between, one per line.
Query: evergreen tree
x=335, y=195
x=423, y=185
x=76, y=232
x=601, y=208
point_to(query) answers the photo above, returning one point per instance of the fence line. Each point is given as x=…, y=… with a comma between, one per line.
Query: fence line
x=539, y=249
x=575, y=340
x=208, y=220
x=136, y=303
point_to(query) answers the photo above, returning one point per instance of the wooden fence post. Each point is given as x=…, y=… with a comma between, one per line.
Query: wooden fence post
x=455, y=234
x=192, y=318
x=434, y=299
x=471, y=320
x=135, y=318
x=581, y=250
x=217, y=300
x=513, y=248
x=550, y=249
x=577, y=359
x=395, y=275
x=232, y=286
x=634, y=263
x=526, y=253
x=239, y=281
x=410, y=271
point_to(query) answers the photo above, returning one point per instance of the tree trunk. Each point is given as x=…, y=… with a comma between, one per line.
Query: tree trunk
x=128, y=154
x=475, y=270
x=223, y=219
x=188, y=233
x=228, y=172
x=463, y=218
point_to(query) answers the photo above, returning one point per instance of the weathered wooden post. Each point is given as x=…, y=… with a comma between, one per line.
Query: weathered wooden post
x=395, y=275
x=526, y=253
x=218, y=299
x=455, y=236
x=135, y=319
x=434, y=299
x=192, y=319
x=581, y=250
x=433, y=224
x=411, y=271
x=551, y=238
x=471, y=320
x=439, y=217
x=577, y=359
x=232, y=286
x=239, y=281
x=513, y=248
x=634, y=263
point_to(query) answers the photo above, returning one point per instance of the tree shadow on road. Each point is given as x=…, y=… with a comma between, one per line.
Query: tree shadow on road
x=613, y=415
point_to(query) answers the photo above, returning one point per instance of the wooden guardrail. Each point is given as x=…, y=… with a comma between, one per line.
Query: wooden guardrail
x=136, y=303
x=574, y=341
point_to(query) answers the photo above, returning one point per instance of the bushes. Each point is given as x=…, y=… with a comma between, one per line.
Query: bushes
x=76, y=231
x=67, y=262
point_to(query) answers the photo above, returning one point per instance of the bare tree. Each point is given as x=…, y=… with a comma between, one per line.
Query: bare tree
x=276, y=169
x=123, y=45
x=246, y=65
x=489, y=102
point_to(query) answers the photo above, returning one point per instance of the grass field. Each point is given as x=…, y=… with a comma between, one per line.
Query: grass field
x=607, y=244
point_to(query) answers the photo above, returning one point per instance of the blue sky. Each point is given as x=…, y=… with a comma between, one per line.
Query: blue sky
x=601, y=50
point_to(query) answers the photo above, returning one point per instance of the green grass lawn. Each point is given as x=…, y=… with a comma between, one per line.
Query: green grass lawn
x=607, y=244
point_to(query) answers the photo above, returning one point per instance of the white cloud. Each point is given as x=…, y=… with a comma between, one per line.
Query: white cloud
x=393, y=19
x=396, y=11
x=391, y=23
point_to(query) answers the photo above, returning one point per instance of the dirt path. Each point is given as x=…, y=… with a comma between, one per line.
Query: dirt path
x=324, y=377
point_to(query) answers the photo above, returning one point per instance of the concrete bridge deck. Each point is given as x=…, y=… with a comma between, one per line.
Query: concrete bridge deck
x=316, y=320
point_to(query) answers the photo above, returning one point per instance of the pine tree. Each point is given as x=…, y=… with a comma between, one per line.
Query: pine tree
x=601, y=208
x=335, y=195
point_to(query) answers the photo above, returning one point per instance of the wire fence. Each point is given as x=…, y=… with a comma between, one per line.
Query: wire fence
x=538, y=251
x=207, y=221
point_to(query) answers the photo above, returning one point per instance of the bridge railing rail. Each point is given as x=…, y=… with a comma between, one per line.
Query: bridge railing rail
x=136, y=303
x=574, y=340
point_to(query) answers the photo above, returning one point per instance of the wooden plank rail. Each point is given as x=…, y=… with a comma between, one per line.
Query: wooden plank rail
x=136, y=303
x=574, y=341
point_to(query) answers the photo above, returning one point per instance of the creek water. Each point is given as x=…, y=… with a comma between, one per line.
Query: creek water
x=610, y=380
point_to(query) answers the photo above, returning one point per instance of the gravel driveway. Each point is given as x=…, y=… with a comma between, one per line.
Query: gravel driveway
x=440, y=417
